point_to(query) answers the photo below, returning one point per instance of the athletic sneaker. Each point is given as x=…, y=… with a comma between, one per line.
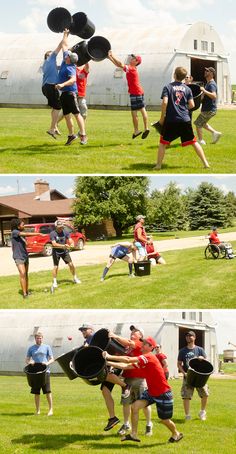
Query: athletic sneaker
x=216, y=136
x=202, y=142
x=111, y=423
x=71, y=139
x=202, y=415
x=187, y=417
x=54, y=285
x=126, y=392
x=76, y=280
x=83, y=139
x=123, y=429
x=102, y=279
x=132, y=275
x=148, y=431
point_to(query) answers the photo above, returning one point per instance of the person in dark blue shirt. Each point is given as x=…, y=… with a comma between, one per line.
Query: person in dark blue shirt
x=177, y=99
x=209, y=107
x=20, y=254
x=121, y=251
x=185, y=354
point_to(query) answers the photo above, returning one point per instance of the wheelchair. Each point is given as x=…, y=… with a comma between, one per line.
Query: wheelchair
x=215, y=252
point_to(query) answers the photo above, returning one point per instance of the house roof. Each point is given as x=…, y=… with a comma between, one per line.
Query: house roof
x=28, y=205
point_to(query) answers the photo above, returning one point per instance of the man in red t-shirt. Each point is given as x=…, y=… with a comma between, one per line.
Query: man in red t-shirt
x=214, y=239
x=81, y=81
x=158, y=392
x=163, y=360
x=152, y=254
x=140, y=237
x=135, y=91
x=132, y=378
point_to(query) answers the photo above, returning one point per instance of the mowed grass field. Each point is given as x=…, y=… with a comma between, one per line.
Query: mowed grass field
x=188, y=280
x=80, y=416
x=26, y=148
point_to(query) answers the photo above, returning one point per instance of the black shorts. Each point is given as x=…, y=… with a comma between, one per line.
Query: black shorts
x=46, y=388
x=172, y=131
x=70, y=103
x=137, y=102
x=52, y=95
x=108, y=384
x=56, y=256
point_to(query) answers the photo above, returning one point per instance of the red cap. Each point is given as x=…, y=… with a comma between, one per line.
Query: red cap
x=138, y=59
x=150, y=341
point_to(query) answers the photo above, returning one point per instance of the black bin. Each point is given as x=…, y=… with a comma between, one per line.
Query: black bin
x=81, y=50
x=58, y=19
x=142, y=268
x=198, y=372
x=102, y=340
x=98, y=48
x=82, y=26
x=197, y=96
x=89, y=364
x=36, y=374
x=65, y=361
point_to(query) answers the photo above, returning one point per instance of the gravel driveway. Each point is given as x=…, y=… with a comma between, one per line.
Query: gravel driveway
x=98, y=254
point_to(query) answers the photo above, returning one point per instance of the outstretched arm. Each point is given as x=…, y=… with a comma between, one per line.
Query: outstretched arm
x=114, y=60
x=64, y=42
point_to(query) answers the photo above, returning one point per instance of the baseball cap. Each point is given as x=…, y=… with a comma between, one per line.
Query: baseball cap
x=211, y=69
x=136, y=328
x=73, y=56
x=150, y=341
x=139, y=217
x=190, y=333
x=59, y=224
x=85, y=326
x=138, y=59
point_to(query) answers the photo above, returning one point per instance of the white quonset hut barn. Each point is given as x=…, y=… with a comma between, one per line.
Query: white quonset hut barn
x=193, y=46
x=18, y=327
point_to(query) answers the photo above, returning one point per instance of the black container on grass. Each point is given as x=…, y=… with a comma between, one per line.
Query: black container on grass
x=82, y=26
x=89, y=364
x=198, y=372
x=58, y=19
x=142, y=268
x=36, y=374
x=81, y=50
x=102, y=340
x=98, y=48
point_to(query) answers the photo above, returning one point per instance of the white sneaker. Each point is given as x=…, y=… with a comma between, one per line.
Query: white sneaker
x=216, y=136
x=76, y=280
x=102, y=279
x=148, y=431
x=202, y=142
x=132, y=275
x=54, y=285
x=202, y=415
x=187, y=417
x=50, y=413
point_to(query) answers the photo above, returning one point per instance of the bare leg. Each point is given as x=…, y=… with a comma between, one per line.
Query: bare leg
x=49, y=399
x=199, y=133
x=204, y=403
x=160, y=155
x=135, y=407
x=171, y=426
x=81, y=124
x=70, y=124
x=54, y=272
x=148, y=414
x=186, y=403
x=126, y=413
x=23, y=278
x=134, y=114
x=145, y=118
x=109, y=401
x=197, y=147
x=112, y=378
x=37, y=403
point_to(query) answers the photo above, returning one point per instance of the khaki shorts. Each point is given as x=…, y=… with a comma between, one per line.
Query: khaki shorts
x=138, y=386
x=187, y=391
x=203, y=118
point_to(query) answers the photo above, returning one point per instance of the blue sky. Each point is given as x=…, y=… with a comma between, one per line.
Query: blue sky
x=30, y=15
x=10, y=184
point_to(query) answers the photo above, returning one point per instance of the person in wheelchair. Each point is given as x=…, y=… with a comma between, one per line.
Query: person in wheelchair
x=217, y=248
x=214, y=239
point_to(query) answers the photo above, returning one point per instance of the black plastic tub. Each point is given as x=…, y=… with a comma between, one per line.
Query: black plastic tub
x=89, y=364
x=82, y=26
x=142, y=268
x=102, y=340
x=98, y=48
x=81, y=50
x=58, y=19
x=198, y=372
x=36, y=374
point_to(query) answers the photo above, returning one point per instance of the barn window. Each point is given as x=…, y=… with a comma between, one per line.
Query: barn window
x=212, y=47
x=57, y=342
x=193, y=316
x=183, y=315
x=204, y=46
x=200, y=316
x=195, y=44
x=4, y=75
x=118, y=73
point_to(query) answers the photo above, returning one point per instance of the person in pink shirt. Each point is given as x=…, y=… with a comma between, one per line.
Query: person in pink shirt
x=135, y=91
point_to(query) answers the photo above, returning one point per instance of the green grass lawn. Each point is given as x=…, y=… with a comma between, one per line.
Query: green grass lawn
x=80, y=416
x=26, y=148
x=188, y=280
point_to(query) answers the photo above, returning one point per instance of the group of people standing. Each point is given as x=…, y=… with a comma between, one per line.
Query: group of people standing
x=143, y=374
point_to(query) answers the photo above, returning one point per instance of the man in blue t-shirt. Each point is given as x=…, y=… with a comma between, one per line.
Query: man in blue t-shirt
x=121, y=251
x=50, y=79
x=41, y=353
x=177, y=99
x=61, y=243
x=209, y=107
x=69, y=93
x=185, y=354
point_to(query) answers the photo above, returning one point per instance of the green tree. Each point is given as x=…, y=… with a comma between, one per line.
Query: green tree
x=207, y=207
x=230, y=205
x=118, y=198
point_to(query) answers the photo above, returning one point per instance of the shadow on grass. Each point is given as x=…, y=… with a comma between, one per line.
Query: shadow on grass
x=93, y=441
x=12, y=414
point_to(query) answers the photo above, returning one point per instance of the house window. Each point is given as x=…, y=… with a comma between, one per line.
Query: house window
x=4, y=75
x=183, y=315
x=204, y=46
x=212, y=47
x=195, y=44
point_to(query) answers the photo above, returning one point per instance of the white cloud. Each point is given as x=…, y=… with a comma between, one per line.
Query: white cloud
x=178, y=4
x=7, y=190
x=69, y=191
x=69, y=4
x=33, y=21
x=39, y=10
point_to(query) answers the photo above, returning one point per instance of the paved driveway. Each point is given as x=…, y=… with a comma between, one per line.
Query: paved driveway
x=97, y=254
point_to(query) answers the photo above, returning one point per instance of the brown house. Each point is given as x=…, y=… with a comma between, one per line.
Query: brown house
x=42, y=205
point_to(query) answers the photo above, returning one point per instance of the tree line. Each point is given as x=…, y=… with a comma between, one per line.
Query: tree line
x=123, y=198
